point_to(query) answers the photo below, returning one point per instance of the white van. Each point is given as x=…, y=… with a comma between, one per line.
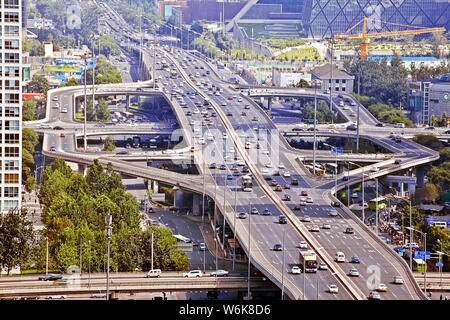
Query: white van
x=399, y=125
x=154, y=273
x=340, y=257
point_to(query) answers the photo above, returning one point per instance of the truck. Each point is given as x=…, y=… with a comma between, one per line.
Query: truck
x=308, y=260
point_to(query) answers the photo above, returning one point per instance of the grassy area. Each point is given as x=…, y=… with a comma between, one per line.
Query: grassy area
x=79, y=116
x=281, y=43
x=300, y=54
x=35, y=271
x=62, y=68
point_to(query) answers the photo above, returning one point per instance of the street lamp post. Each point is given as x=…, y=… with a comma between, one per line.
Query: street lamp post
x=410, y=234
x=234, y=222
x=224, y=220
x=282, y=269
x=249, y=252
x=89, y=241
x=348, y=183
x=85, y=101
x=315, y=122
x=363, y=202
x=424, y=235
x=376, y=204
x=46, y=258
x=108, y=235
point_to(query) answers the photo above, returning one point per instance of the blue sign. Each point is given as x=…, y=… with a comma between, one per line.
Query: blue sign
x=439, y=265
x=220, y=67
x=421, y=255
x=339, y=151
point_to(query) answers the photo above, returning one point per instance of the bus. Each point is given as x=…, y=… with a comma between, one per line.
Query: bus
x=308, y=261
x=382, y=202
x=247, y=183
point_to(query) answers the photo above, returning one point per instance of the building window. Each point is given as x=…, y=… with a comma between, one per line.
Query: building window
x=11, y=57
x=12, y=85
x=337, y=81
x=12, y=125
x=344, y=81
x=11, y=138
x=12, y=98
x=12, y=112
x=11, y=192
x=12, y=71
x=336, y=89
x=343, y=89
x=13, y=4
x=12, y=44
x=11, y=17
x=11, y=165
x=10, y=204
x=11, y=151
x=11, y=30
x=11, y=178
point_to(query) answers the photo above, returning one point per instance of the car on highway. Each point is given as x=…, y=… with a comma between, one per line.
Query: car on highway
x=332, y=288
x=266, y=212
x=355, y=259
x=294, y=182
x=398, y=280
x=352, y=127
x=254, y=211
x=58, y=128
x=62, y=135
x=286, y=174
x=353, y=272
x=281, y=166
x=154, y=273
x=339, y=257
x=247, y=107
x=306, y=218
x=287, y=186
x=296, y=270
x=323, y=266
x=229, y=177
x=255, y=119
x=58, y=296
x=326, y=226
x=193, y=274
x=315, y=228
x=52, y=148
x=286, y=197
x=336, y=204
x=430, y=128
x=273, y=183
x=122, y=152
x=223, y=167
x=349, y=230
x=381, y=287
x=278, y=188
x=304, y=193
x=61, y=282
x=282, y=219
x=277, y=247
x=50, y=276
x=202, y=246
x=309, y=200
x=219, y=273
x=332, y=213
x=242, y=215
x=373, y=295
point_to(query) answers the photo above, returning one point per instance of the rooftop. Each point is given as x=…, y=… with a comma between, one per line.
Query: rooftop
x=323, y=72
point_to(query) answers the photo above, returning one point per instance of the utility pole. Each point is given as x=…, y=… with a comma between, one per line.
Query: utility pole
x=282, y=270
x=81, y=255
x=315, y=122
x=234, y=222
x=108, y=221
x=93, y=73
x=249, y=252
x=152, y=250
x=85, y=101
x=224, y=220
x=376, y=204
x=410, y=234
x=358, y=122
x=331, y=77
x=154, y=59
x=46, y=259
x=363, y=202
x=89, y=241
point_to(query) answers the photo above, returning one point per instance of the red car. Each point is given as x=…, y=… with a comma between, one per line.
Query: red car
x=304, y=193
x=230, y=98
x=274, y=183
x=62, y=135
x=278, y=188
x=244, y=114
x=197, y=102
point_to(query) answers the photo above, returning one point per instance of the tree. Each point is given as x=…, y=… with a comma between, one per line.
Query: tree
x=90, y=111
x=429, y=193
x=302, y=84
x=38, y=84
x=96, y=178
x=29, y=109
x=16, y=234
x=108, y=144
x=103, y=111
x=72, y=82
x=30, y=184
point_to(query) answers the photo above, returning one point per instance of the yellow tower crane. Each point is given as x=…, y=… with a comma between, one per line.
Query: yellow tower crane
x=365, y=37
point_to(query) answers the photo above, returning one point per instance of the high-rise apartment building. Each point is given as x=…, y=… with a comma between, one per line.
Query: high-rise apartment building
x=10, y=104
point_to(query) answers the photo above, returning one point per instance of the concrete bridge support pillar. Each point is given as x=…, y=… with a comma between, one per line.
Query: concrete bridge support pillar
x=402, y=188
x=178, y=197
x=196, y=204
x=420, y=176
x=82, y=168
x=269, y=103
x=155, y=186
x=128, y=102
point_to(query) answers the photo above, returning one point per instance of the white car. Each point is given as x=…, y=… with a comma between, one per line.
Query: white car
x=64, y=110
x=219, y=273
x=286, y=174
x=269, y=165
x=354, y=272
x=323, y=266
x=303, y=245
x=332, y=213
x=315, y=228
x=309, y=200
x=225, y=136
x=281, y=166
x=332, y=288
x=201, y=141
x=193, y=274
x=382, y=287
x=398, y=280
x=296, y=270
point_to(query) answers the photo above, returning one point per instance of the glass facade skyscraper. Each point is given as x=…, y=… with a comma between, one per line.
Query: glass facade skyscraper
x=10, y=104
x=331, y=17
